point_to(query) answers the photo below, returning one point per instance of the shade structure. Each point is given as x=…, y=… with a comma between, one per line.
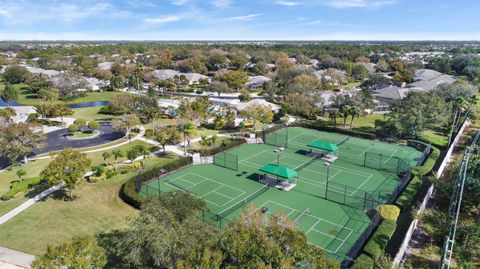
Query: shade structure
x=280, y=171
x=323, y=145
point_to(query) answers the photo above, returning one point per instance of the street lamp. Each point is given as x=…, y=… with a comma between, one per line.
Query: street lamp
x=278, y=154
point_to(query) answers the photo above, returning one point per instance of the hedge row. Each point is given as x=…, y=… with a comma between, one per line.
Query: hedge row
x=19, y=188
x=330, y=129
x=404, y=200
x=363, y=262
x=128, y=192
x=377, y=244
x=233, y=142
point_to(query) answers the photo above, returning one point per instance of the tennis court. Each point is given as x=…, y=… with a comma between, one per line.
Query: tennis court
x=327, y=202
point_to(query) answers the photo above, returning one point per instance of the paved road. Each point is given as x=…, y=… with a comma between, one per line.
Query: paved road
x=56, y=140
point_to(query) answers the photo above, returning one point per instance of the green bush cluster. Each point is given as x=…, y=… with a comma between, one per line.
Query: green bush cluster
x=409, y=193
x=128, y=166
x=389, y=212
x=418, y=173
x=330, y=129
x=96, y=179
x=128, y=192
x=227, y=144
x=379, y=241
x=19, y=188
x=363, y=262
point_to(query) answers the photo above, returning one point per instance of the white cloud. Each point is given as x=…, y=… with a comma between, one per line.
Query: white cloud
x=244, y=18
x=179, y=2
x=287, y=3
x=163, y=19
x=344, y=4
x=221, y=3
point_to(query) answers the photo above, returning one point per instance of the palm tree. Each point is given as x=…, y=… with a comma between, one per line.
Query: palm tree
x=333, y=115
x=345, y=112
x=142, y=150
x=204, y=142
x=354, y=112
x=117, y=154
x=188, y=130
x=213, y=140
x=106, y=155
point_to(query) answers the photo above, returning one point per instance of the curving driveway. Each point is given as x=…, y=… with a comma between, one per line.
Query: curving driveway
x=56, y=140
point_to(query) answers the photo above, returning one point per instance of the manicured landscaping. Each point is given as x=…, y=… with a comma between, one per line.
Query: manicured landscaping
x=82, y=135
x=57, y=221
x=26, y=97
x=435, y=137
x=90, y=113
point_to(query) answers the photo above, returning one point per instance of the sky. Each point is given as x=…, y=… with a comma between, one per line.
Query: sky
x=240, y=20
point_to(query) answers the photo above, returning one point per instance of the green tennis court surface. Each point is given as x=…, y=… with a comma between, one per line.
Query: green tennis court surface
x=329, y=210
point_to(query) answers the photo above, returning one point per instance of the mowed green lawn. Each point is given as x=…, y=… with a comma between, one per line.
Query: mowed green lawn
x=90, y=113
x=31, y=99
x=53, y=221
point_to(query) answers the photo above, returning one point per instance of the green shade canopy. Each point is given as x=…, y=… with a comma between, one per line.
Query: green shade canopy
x=280, y=171
x=324, y=145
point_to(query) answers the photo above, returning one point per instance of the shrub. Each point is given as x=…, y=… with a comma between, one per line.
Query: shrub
x=110, y=173
x=33, y=116
x=80, y=122
x=128, y=166
x=73, y=128
x=363, y=262
x=19, y=188
x=149, y=133
x=96, y=179
x=379, y=241
x=409, y=193
x=128, y=191
x=93, y=125
x=389, y=212
x=227, y=144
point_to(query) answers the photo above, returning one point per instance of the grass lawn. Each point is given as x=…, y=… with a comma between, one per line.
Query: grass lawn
x=54, y=220
x=34, y=168
x=31, y=99
x=77, y=135
x=363, y=123
x=90, y=113
x=435, y=137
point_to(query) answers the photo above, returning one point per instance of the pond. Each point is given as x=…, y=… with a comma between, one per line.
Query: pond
x=81, y=105
x=89, y=104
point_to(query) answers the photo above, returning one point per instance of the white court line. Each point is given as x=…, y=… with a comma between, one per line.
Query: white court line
x=391, y=155
x=211, y=191
x=254, y=155
x=312, y=227
x=363, y=152
x=368, y=178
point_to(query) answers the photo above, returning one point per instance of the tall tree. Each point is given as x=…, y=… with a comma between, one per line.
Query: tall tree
x=125, y=123
x=18, y=140
x=258, y=114
x=251, y=242
x=354, y=112
x=165, y=233
x=117, y=154
x=219, y=87
x=7, y=114
x=333, y=115
x=80, y=253
x=345, y=112
x=188, y=130
x=167, y=135
x=69, y=166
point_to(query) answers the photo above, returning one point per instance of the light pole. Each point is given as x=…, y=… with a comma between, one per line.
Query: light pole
x=327, y=164
x=278, y=154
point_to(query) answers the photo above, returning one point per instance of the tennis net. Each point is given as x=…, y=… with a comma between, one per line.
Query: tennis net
x=179, y=186
x=302, y=216
x=305, y=164
x=343, y=141
x=243, y=202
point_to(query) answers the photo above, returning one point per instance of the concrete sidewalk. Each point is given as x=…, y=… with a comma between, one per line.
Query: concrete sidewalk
x=13, y=259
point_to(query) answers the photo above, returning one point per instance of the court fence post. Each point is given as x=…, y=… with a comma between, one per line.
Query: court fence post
x=365, y=159
x=381, y=160
x=364, y=200
x=345, y=195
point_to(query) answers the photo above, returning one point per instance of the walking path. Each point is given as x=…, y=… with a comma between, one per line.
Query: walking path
x=13, y=259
